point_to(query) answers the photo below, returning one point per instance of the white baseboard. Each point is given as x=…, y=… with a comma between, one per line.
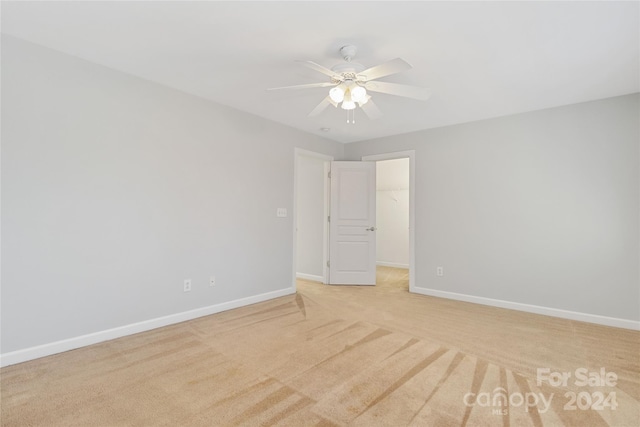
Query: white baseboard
x=36, y=352
x=547, y=311
x=391, y=264
x=311, y=277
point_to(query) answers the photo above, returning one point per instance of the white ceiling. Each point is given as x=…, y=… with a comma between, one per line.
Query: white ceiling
x=481, y=59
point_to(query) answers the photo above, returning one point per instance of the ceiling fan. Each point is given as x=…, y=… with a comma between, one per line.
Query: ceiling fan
x=350, y=83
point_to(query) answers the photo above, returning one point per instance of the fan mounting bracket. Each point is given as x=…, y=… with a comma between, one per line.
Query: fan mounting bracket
x=348, y=52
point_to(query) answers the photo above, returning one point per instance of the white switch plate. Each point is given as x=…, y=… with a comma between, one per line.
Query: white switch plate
x=212, y=280
x=187, y=285
x=281, y=213
x=439, y=271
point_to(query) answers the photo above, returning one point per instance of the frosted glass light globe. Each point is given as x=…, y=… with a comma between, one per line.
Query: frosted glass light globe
x=336, y=94
x=348, y=105
x=358, y=94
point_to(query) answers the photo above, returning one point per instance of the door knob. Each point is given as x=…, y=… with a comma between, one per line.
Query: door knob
x=371, y=229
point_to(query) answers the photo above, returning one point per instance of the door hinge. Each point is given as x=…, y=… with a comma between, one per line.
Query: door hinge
x=328, y=263
x=329, y=175
x=329, y=218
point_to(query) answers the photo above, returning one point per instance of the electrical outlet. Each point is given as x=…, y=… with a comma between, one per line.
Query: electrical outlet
x=439, y=271
x=212, y=280
x=187, y=285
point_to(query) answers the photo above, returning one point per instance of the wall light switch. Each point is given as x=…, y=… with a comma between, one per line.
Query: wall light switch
x=281, y=213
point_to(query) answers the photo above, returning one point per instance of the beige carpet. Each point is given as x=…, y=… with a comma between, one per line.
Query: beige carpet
x=365, y=356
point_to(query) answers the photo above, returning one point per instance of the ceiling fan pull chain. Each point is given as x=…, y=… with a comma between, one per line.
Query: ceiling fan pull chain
x=351, y=120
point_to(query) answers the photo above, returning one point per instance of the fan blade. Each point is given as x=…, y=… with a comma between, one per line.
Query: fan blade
x=321, y=107
x=386, y=69
x=307, y=86
x=320, y=68
x=415, y=92
x=371, y=110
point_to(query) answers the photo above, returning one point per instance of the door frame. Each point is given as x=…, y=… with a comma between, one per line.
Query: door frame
x=411, y=155
x=299, y=152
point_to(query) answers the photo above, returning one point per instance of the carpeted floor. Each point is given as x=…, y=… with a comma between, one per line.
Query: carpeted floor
x=331, y=355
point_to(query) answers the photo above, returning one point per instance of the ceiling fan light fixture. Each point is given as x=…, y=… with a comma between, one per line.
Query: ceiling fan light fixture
x=351, y=84
x=336, y=94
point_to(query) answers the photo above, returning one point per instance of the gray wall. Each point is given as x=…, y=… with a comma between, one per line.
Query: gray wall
x=539, y=208
x=115, y=190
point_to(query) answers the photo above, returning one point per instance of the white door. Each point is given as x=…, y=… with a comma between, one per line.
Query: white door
x=352, y=235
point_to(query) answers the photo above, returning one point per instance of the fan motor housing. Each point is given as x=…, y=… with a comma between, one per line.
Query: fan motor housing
x=348, y=67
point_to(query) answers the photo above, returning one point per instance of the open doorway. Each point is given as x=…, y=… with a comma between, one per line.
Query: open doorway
x=310, y=216
x=395, y=218
x=392, y=222
x=311, y=253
